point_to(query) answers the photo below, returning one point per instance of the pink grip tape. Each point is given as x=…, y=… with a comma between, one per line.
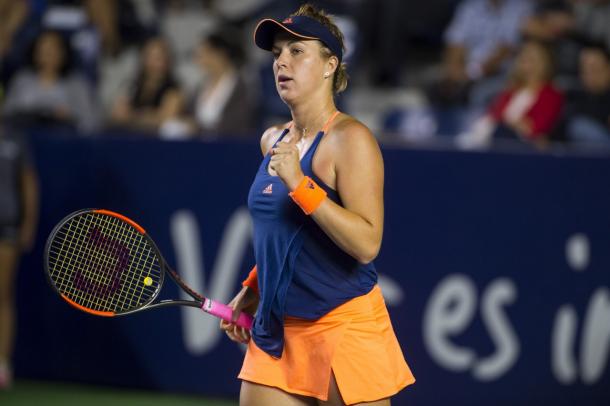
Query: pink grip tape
x=226, y=313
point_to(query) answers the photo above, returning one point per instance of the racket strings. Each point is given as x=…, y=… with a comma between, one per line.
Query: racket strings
x=102, y=263
x=115, y=252
x=78, y=280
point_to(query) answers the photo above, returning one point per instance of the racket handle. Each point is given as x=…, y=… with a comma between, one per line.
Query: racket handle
x=226, y=313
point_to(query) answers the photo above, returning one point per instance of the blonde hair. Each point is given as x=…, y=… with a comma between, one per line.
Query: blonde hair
x=516, y=78
x=340, y=76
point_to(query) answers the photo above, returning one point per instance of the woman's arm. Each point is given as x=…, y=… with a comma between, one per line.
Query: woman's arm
x=170, y=107
x=20, y=87
x=12, y=16
x=30, y=208
x=121, y=110
x=357, y=226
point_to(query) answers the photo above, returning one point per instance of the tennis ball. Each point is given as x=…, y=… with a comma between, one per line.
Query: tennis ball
x=148, y=281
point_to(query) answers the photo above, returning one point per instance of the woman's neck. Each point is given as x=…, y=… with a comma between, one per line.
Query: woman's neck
x=216, y=75
x=309, y=118
x=154, y=77
x=48, y=75
x=534, y=83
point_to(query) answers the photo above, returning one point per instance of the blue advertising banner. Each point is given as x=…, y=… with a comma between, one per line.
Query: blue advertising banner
x=495, y=268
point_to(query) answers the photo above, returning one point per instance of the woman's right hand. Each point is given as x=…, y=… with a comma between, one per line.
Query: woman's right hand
x=246, y=300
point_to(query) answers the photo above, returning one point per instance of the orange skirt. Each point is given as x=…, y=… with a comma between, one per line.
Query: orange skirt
x=355, y=341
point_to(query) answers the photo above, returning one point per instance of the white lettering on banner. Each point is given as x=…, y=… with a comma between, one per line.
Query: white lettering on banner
x=578, y=252
x=500, y=293
x=595, y=339
x=563, y=336
x=201, y=334
x=450, y=311
x=393, y=293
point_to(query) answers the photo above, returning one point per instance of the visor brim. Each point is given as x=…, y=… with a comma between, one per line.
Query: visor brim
x=267, y=29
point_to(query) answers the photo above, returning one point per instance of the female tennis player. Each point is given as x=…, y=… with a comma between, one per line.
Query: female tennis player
x=322, y=334
x=18, y=219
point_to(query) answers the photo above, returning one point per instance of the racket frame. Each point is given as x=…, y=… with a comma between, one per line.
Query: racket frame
x=209, y=306
x=166, y=269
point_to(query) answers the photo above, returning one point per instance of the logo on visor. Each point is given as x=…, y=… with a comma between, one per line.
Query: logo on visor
x=287, y=21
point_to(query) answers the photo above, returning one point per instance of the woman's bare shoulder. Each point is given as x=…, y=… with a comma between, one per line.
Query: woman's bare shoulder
x=350, y=133
x=270, y=135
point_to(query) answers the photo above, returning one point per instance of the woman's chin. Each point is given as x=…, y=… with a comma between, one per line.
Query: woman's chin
x=288, y=96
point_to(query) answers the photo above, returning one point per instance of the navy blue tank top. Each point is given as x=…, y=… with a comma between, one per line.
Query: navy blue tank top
x=301, y=271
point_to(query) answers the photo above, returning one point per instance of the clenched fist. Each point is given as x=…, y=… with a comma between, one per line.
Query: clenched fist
x=286, y=163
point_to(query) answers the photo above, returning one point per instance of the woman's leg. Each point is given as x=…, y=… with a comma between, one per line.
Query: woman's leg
x=335, y=399
x=8, y=265
x=253, y=394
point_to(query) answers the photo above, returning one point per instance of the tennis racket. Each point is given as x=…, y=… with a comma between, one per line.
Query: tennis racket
x=105, y=264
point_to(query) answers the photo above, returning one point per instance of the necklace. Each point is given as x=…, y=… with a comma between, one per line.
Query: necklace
x=305, y=130
x=303, y=142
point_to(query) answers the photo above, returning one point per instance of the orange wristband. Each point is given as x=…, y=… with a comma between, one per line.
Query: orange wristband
x=308, y=195
x=252, y=280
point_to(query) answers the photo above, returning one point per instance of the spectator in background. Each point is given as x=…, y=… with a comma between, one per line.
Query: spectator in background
x=588, y=110
x=154, y=96
x=551, y=19
x=592, y=19
x=18, y=218
x=109, y=24
x=48, y=91
x=480, y=42
x=553, y=23
x=224, y=105
x=528, y=109
x=84, y=24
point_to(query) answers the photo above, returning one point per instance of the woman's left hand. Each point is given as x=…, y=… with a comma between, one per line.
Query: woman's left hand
x=286, y=163
x=523, y=127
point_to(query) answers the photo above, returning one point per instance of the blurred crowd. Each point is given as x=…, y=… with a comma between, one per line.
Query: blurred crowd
x=532, y=71
x=484, y=71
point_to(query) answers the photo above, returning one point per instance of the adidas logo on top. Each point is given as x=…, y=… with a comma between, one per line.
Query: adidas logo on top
x=268, y=190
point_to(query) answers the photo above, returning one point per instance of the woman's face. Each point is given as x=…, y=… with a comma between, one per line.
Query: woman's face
x=156, y=57
x=299, y=68
x=49, y=52
x=210, y=58
x=532, y=62
x=594, y=71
